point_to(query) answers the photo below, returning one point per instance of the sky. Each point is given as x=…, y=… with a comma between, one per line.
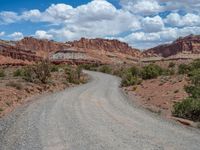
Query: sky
x=141, y=23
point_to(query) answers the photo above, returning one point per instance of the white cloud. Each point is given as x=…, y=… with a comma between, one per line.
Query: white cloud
x=142, y=7
x=192, y=6
x=43, y=35
x=145, y=40
x=16, y=36
x=2, y=33
x=98, y=18
x=174, y=19
x=32, y=15
x=154, y=6
x=153, y=24
x=7, y=17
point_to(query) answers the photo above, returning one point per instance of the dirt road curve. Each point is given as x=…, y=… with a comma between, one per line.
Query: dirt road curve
x=95, y=116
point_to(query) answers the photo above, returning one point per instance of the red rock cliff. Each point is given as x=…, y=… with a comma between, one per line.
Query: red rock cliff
x=189, y=43
x=40, y=46
x=105, y=45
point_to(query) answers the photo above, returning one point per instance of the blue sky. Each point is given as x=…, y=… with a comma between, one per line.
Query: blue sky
x=141, y=23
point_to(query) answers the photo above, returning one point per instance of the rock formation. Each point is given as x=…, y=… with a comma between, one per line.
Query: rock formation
x=106, y=51
x=41, y=47
x=105, y=45
x=189, y=44
x=16, y=55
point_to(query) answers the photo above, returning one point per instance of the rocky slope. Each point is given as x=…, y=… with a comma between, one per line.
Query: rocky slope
x=189, y=44
x=10, y=54
x=41, y=47
x=105, y=45
x=107, y=51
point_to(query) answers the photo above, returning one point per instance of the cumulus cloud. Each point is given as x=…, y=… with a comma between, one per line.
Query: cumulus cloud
x=32, y=15
x=16, y=36
x=192, y=6
x=98, y=18
x=7, y=17
x=40, y=34
x=145, y=40
x=2, y=33
x=152, y=24
x=142, y=7
x=155, y=6
x=174, y=19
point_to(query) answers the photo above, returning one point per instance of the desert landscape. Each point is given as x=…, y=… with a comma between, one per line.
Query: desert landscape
x=100, y=75
x=158, y=93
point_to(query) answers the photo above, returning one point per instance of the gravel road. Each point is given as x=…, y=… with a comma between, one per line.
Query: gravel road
x=94, y=116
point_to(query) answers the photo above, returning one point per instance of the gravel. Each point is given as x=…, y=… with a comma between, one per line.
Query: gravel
x=94, y=116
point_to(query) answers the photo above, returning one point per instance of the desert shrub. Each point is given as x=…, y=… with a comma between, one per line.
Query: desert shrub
x=168, y=72
x=128, y=79
x=2, y=73
x=18, y=73
x=78, y=72
x=118, y=72
x=54, y=68
x=16, y=85
x=183, y=69
x=38, y=73
x=171, y=65
x=151, y=71
x=195, y=64
x=188, y=109
x=73, y=75
x=42, y=71
x=135, y=71
x=105, y=69
x=194, y=88
x=193, y=91
x=29, y=74
x=92, y=67
x=194, y=76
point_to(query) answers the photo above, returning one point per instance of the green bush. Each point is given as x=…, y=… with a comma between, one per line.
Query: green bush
x=188, y=109
x=29, y=74
x=73, y=75
x=194, y=76
x=151, y=71
x=118, y=72
x=128, y=79
x=135, y=71
x=2, y=73
x=194, y=88
x=195, y=64
x=183, y=69
x=92, y=67
x=105, y=69
x=193, y=91
x=38, y=73
x=18, y=73
x=54, y=68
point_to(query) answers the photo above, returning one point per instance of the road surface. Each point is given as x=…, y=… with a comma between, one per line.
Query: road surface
x=94, y=116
